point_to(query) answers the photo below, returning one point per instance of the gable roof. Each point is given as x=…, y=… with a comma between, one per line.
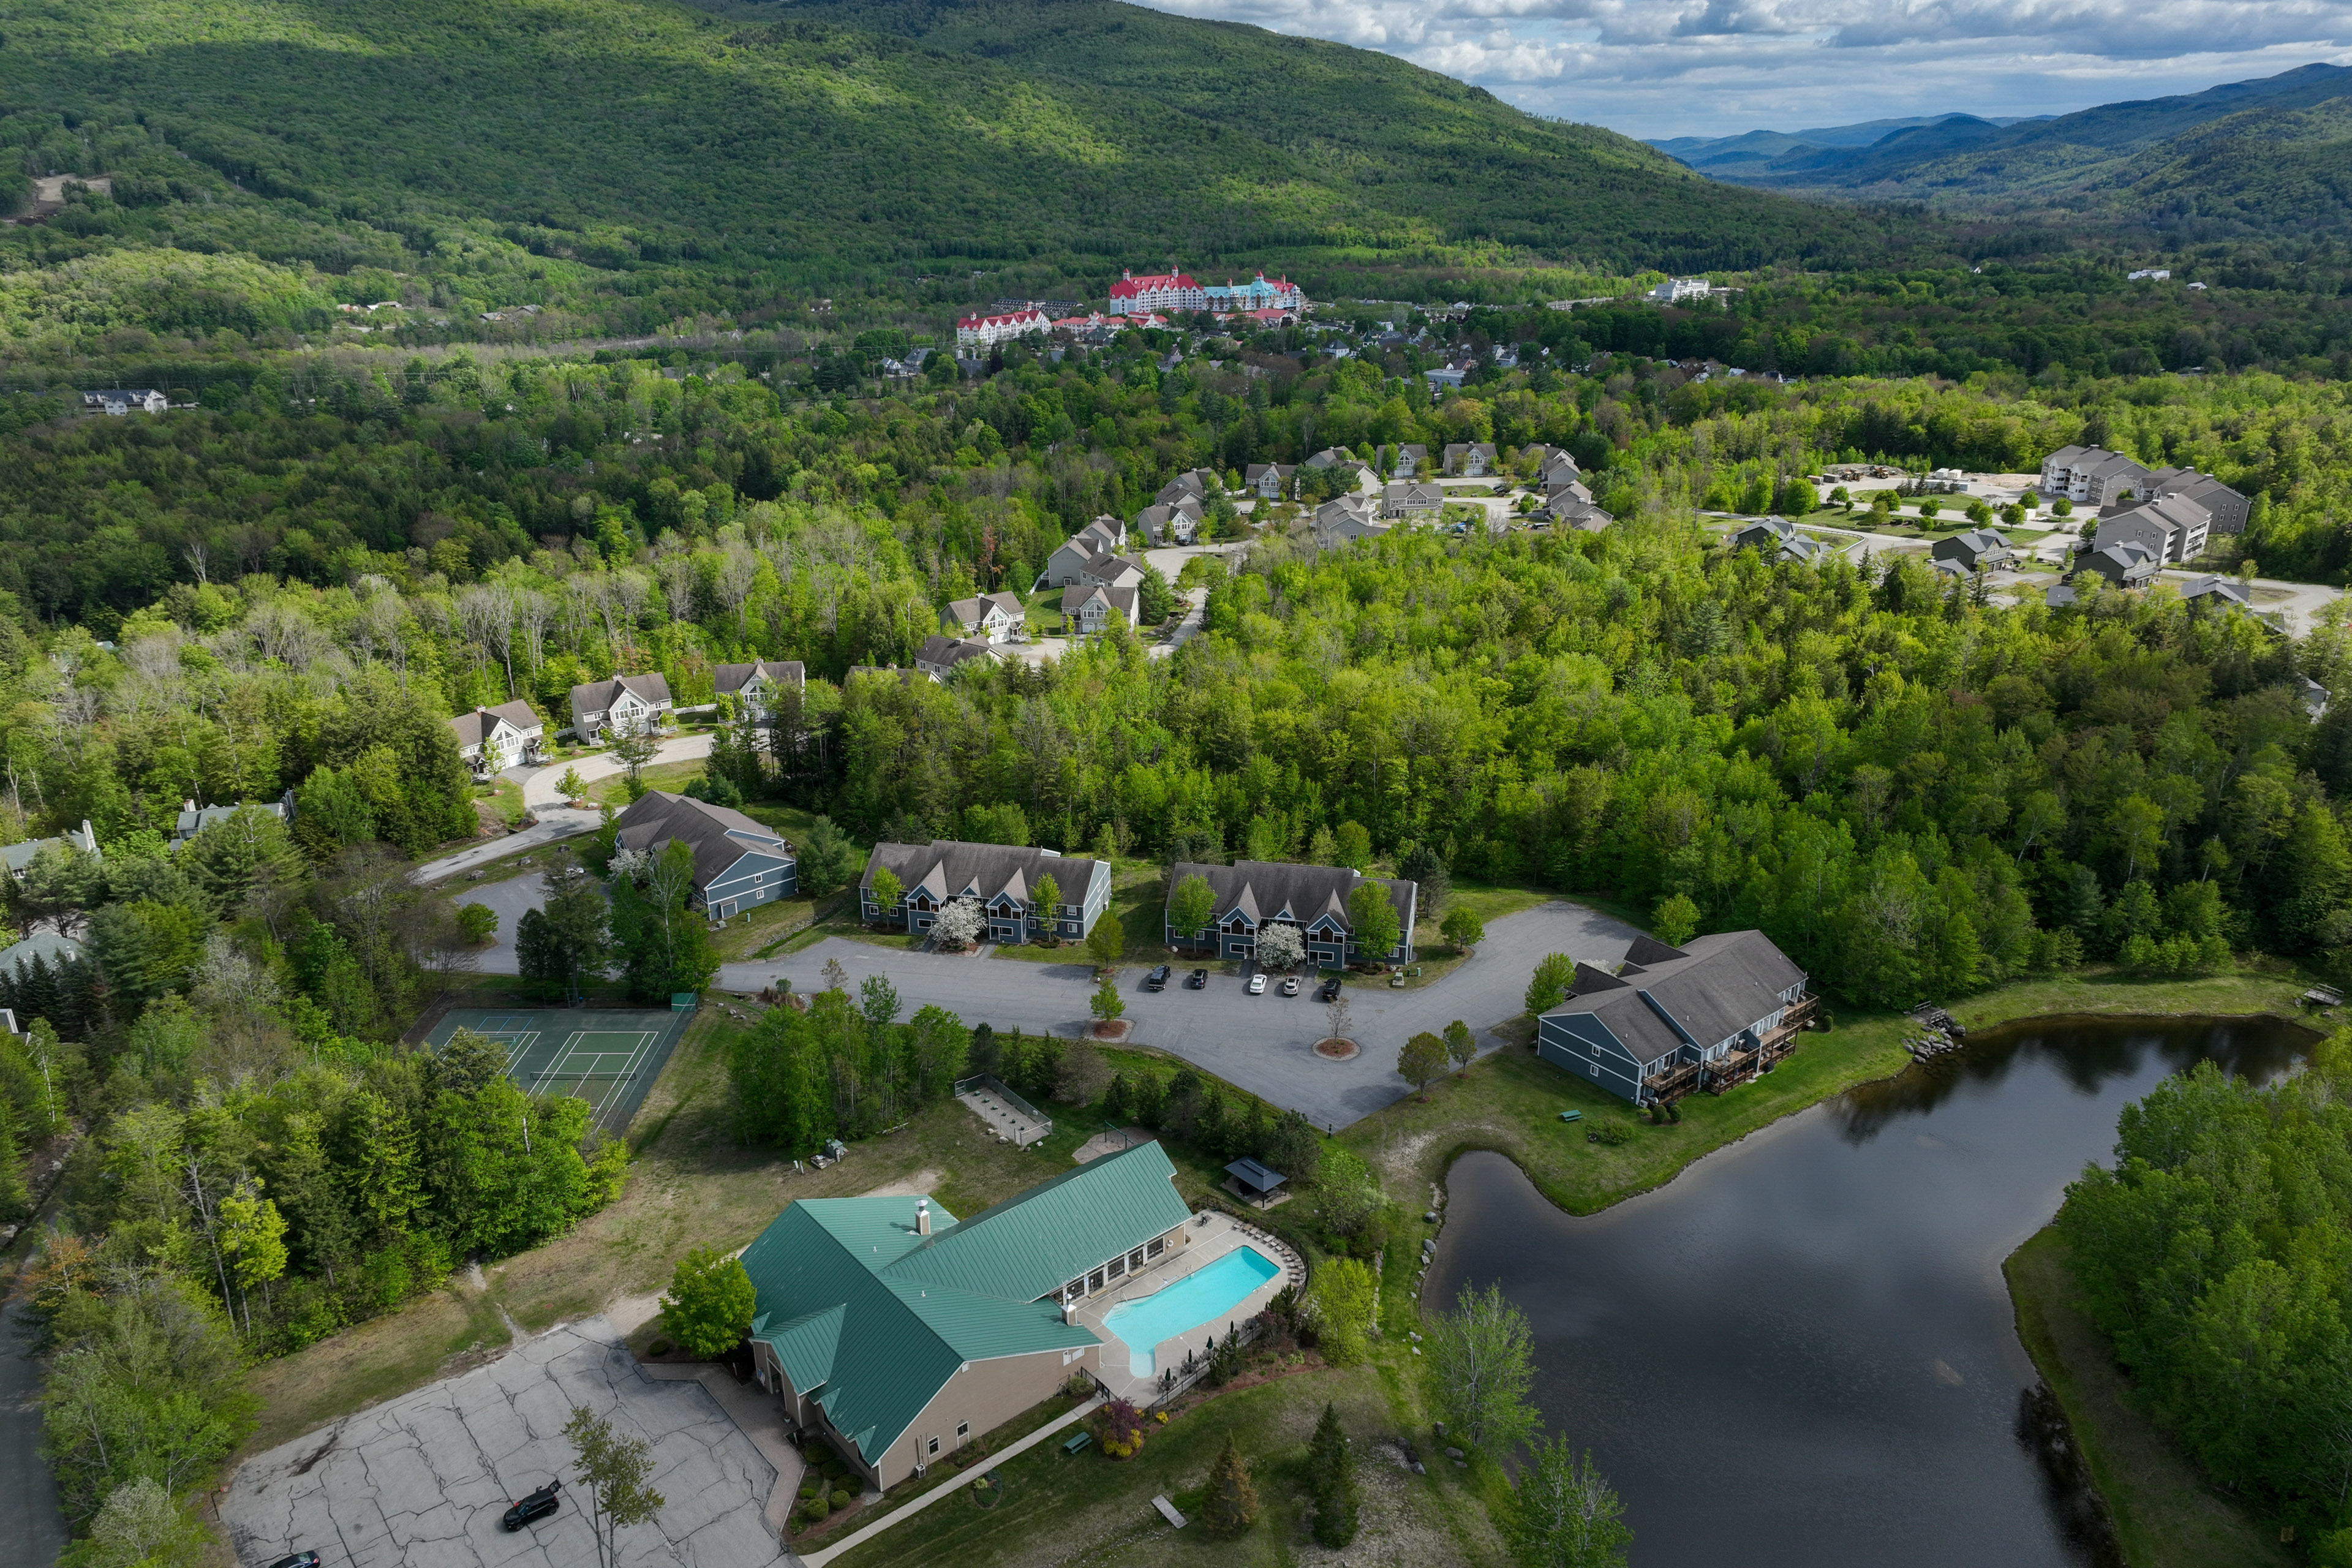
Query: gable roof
x=730, y=679
x=972, y=611
x=946, y=867
x=870, y=1318
x=1271, y=889
x=1076, y=598
x=475, y=728
x=1032, y=1244
x=1700, y=994
x=598, y=696
x=718, y=836
x=951, y=653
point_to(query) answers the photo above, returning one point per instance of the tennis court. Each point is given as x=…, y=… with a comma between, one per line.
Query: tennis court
x=606, y=1056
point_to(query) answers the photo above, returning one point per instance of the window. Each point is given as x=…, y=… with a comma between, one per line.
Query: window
x=1155, y=1246
x=931, y=1449
x=963, y=1430
x=1095, y=1280
x=1118, y=1268
x=1074, y=1289
x=1135, y=1258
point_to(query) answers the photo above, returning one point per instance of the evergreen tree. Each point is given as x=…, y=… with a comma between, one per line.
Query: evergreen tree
x=1331, y=1481
x=1232, y=1505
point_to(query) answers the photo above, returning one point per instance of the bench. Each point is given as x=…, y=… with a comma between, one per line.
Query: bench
x=1078, y=1443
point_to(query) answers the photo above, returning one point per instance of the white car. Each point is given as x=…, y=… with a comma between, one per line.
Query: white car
x=1257, y=985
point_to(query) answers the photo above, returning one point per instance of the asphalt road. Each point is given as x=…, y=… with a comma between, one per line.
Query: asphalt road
x=28, y=1492
x=1265, y=1044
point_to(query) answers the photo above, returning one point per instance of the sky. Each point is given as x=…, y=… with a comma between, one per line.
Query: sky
x=1714, y=67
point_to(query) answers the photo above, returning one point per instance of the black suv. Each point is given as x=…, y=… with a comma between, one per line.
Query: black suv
x=1158, y=979
x=1330, y=991
x=538, y=1505
x=1198, y=980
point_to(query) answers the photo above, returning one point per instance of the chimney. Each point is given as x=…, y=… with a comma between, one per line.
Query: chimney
x=1069, y=1311
x=922, y=1217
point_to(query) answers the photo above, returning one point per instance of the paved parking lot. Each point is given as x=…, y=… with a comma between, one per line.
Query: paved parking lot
x=421, y=1481
x=1265, y=1044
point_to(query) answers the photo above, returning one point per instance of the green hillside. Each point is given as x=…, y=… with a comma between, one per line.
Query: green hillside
x=2264, y=156
x=523, y=149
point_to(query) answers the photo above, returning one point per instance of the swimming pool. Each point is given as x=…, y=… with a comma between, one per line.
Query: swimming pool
x=1200, y=1296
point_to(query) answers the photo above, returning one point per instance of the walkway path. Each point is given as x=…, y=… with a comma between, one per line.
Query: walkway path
x=947, y=1488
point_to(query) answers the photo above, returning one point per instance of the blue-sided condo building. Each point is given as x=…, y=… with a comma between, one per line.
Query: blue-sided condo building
x=1708, y=1015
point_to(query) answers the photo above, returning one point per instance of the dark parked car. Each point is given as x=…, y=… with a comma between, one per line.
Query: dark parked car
x=538, y=1505
x=299, y=1560
x=1158, y=979
x=1198, y=980
x=1330, y=990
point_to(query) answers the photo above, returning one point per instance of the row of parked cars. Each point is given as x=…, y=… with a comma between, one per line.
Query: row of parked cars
x=1198, y=980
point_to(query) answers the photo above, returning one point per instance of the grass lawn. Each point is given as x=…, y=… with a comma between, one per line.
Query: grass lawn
x=2164, y=1514
x=503, y=795
x=1510, y=1102
x=1092, y=1509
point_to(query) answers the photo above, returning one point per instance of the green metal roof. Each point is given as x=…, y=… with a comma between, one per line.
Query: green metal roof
x=871, y=1319
x=1030, y=1246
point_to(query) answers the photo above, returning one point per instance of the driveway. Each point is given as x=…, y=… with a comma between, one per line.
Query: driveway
x=543, y=800
x=28, y=1491
x=1264, y=1043
x=423, y=1480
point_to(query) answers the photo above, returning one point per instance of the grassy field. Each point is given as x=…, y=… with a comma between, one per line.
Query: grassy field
x=2164, y=1514
x=692, y=1185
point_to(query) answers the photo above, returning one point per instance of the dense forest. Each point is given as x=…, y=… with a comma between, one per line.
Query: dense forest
x=2213, y=1258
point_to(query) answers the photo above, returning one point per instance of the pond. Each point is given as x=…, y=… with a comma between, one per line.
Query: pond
x=1802, y=1351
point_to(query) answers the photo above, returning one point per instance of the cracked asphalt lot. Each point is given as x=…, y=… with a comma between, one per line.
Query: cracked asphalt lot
x=421, y=1481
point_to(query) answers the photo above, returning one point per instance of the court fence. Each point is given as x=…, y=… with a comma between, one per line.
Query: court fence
x=989, y=1083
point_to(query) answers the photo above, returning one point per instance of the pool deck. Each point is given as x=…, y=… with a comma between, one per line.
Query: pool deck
x=1214, y=1236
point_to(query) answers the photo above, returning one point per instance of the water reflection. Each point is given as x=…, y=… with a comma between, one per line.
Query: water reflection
x=2086, y=1054
x=1801, y=1352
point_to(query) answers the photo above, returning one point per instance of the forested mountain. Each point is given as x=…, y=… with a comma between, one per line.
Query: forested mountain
x=638, y=159
x=2264, y=156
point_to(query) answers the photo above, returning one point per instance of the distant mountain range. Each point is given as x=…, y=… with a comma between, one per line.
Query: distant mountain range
x=2267, y=154
x=1725, y=156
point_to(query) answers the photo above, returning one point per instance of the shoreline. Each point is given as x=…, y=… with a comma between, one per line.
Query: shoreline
x=2161, y=1512
x=1508, y=1103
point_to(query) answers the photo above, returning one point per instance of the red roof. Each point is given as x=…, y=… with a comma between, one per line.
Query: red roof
x=1129, y=284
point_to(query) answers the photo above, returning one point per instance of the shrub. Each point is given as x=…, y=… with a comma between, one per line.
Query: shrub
x=841, y=1499
x=1613, y=1133
x=710, y=1302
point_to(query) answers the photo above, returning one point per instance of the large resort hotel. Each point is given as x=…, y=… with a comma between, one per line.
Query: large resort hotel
x=899, y=1332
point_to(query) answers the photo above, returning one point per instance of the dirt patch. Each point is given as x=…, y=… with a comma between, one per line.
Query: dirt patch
x=914, y=1186
x=1117, y=1029
x=1337, y=1049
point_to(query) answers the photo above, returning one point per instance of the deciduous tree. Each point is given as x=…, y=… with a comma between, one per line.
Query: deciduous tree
x=709, y=1305
x=1481, y=1365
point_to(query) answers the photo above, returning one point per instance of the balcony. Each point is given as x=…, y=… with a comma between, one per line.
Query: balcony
x=1674, y=1082
x=1732, y=1067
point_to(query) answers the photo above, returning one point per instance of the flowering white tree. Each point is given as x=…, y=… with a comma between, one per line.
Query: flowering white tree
x=1280, y=947
x=960, y=925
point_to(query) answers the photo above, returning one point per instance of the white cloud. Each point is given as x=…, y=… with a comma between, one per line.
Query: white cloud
x=1671, y=67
